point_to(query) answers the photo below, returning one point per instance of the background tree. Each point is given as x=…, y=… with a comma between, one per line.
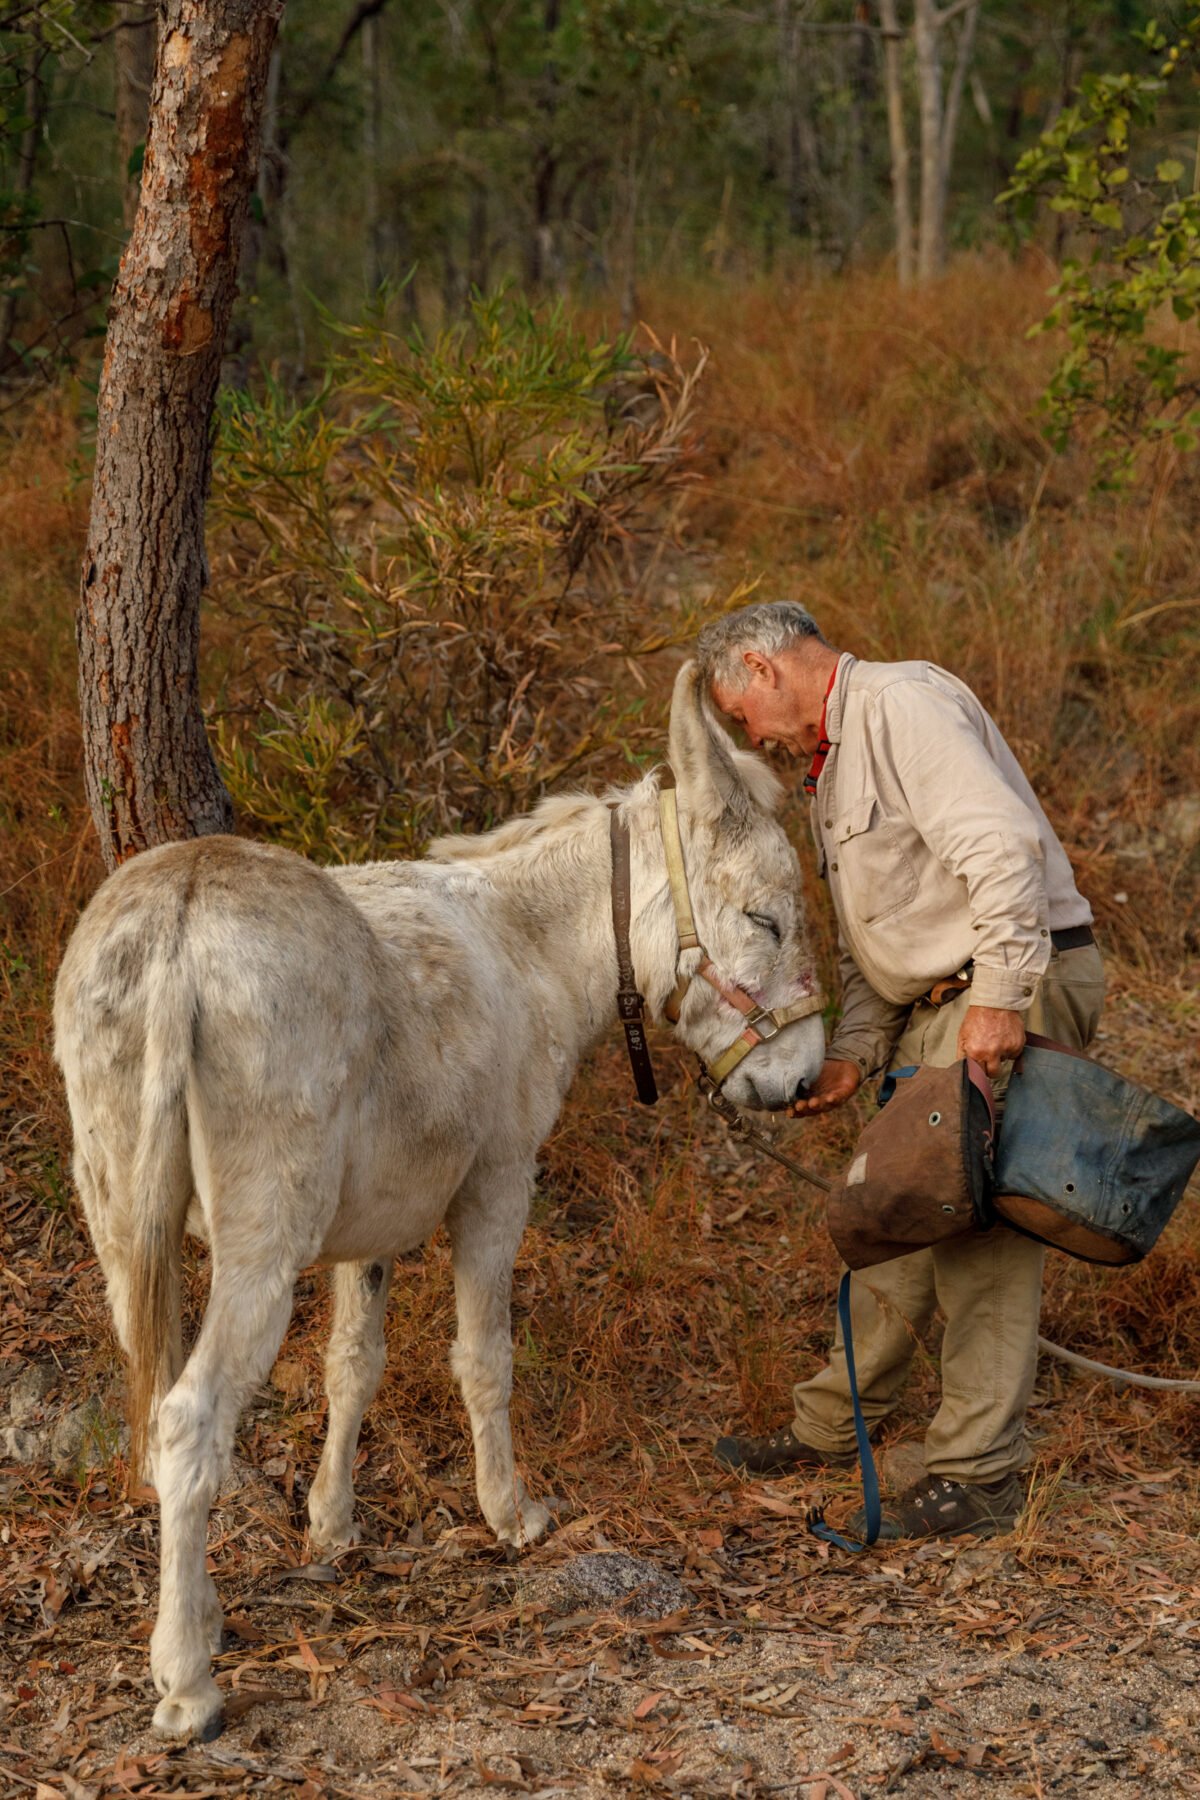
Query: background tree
x=150, y=772
x=135, y=42
x=1133, y=283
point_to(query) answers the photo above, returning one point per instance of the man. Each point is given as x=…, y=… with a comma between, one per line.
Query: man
x=942, y=867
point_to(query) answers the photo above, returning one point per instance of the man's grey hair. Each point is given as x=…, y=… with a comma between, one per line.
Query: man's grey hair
x=768, y=627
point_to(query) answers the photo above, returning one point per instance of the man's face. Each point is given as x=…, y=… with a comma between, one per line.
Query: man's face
x=775, y=707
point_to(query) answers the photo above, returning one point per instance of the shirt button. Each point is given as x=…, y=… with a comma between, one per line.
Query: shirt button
x=833, y=866
x=1027, y=990
x=829, y=824
x=1045, y=933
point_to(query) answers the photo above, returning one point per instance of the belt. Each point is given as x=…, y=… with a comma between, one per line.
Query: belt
x=1071, y=937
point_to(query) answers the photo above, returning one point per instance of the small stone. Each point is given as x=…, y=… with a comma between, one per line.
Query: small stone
x=20, y=1445
x=82, y=1438
x=621, y=1582
x=27, y=1392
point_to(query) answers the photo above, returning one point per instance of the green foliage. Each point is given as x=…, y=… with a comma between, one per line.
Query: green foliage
x=1098, y=169
x=432, y=559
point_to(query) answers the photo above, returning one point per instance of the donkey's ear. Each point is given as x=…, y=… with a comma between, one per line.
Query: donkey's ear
x=714, y=775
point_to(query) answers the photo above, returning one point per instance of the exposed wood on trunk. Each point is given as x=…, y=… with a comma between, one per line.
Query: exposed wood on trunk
x=149, y=770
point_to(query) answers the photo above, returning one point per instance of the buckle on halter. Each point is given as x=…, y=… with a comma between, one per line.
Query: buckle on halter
x=763, y=1023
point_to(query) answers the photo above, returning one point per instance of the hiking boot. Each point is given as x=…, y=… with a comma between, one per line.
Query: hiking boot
x=774, y=1455
x=939, y=1506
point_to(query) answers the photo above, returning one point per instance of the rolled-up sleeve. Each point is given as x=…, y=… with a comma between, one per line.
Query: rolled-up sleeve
x=869, y=1026
x=980, y=831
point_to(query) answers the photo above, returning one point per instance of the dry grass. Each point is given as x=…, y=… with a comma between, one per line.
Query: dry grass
x=875, y=458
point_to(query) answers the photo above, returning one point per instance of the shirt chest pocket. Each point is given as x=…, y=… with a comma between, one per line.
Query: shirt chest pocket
x=875, y=873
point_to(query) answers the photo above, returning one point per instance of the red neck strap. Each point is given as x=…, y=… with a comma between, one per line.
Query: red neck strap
x=823, y=744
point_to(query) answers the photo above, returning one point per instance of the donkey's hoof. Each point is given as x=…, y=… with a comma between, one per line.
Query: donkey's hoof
x=200, y=1715
x=529, y=1525
x=326, y=1536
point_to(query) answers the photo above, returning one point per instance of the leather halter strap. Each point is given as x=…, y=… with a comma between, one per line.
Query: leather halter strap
x=762, y=1023
x=631, y=1006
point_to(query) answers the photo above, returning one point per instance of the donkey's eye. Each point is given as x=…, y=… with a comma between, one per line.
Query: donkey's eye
x=767, y=923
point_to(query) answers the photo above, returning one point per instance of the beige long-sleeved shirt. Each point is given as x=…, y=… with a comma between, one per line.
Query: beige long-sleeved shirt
x=935, y=850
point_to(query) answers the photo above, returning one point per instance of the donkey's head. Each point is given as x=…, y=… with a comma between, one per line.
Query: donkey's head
x=744, y=881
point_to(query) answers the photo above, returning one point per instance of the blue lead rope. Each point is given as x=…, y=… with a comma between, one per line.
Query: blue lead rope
x=866, y=1461
x=872, y=1510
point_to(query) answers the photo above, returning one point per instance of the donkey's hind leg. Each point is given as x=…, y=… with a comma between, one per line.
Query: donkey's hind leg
x=486, y=1221
x=353, y=1367
x=243, y=1327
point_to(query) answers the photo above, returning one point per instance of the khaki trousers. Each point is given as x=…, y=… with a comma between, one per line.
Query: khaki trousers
x=988, y=1284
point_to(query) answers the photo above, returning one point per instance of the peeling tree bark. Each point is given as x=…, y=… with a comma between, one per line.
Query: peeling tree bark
x=149, y=770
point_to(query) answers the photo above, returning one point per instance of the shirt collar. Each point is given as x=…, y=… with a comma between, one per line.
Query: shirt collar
x=837, y=698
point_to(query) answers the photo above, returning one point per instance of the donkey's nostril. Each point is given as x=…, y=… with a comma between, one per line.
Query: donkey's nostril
x=801, y=1092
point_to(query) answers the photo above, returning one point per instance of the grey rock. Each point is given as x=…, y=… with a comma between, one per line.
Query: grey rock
x=30, y=1388
x=621, y=1583
x=1181, y=820
x=22, y=1445
x=82, y=1438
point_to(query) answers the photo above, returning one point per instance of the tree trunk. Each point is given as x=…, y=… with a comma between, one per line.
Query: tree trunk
x=135, y=46
x=939, y=120
x=372, y=133
x=898, y=140
x=541, y=259
x=148, y=767
x=22, y=183
x=930, y=228
x=962, y=60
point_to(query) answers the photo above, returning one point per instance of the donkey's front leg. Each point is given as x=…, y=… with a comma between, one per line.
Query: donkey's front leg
x=353, y=1366
x=486, y=1222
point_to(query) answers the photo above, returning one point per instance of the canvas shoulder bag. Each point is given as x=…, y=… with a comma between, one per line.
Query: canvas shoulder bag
x=921, y=1169
x=1087, y=1161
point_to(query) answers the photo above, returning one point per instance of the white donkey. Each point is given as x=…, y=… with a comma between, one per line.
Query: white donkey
x=303, y=1065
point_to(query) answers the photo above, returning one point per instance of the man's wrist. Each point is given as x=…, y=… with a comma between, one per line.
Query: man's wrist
x=1004, y=990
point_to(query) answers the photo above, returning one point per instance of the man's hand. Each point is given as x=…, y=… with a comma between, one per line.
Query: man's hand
x=836, y=1082
x=991, y=1036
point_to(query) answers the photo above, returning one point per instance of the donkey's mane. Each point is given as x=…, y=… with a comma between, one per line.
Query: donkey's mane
x=553, y=815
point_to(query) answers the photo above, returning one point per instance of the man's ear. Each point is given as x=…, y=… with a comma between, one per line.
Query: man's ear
x=714, y=776
x=761, y=667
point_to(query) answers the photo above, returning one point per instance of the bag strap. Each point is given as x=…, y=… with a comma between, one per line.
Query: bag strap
x=977, y=1076
x=866, y=1461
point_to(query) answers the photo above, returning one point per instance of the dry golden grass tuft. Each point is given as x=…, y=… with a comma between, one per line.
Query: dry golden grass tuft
x=874, y=456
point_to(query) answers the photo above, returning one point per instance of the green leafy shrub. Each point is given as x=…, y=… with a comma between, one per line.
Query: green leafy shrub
x=1138, y=213
x=437, y=564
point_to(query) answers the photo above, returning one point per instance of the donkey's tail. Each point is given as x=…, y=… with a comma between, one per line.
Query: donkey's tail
x=162, y=1188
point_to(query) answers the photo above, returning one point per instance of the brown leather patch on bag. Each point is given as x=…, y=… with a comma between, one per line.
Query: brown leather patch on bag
x=919, y=1173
